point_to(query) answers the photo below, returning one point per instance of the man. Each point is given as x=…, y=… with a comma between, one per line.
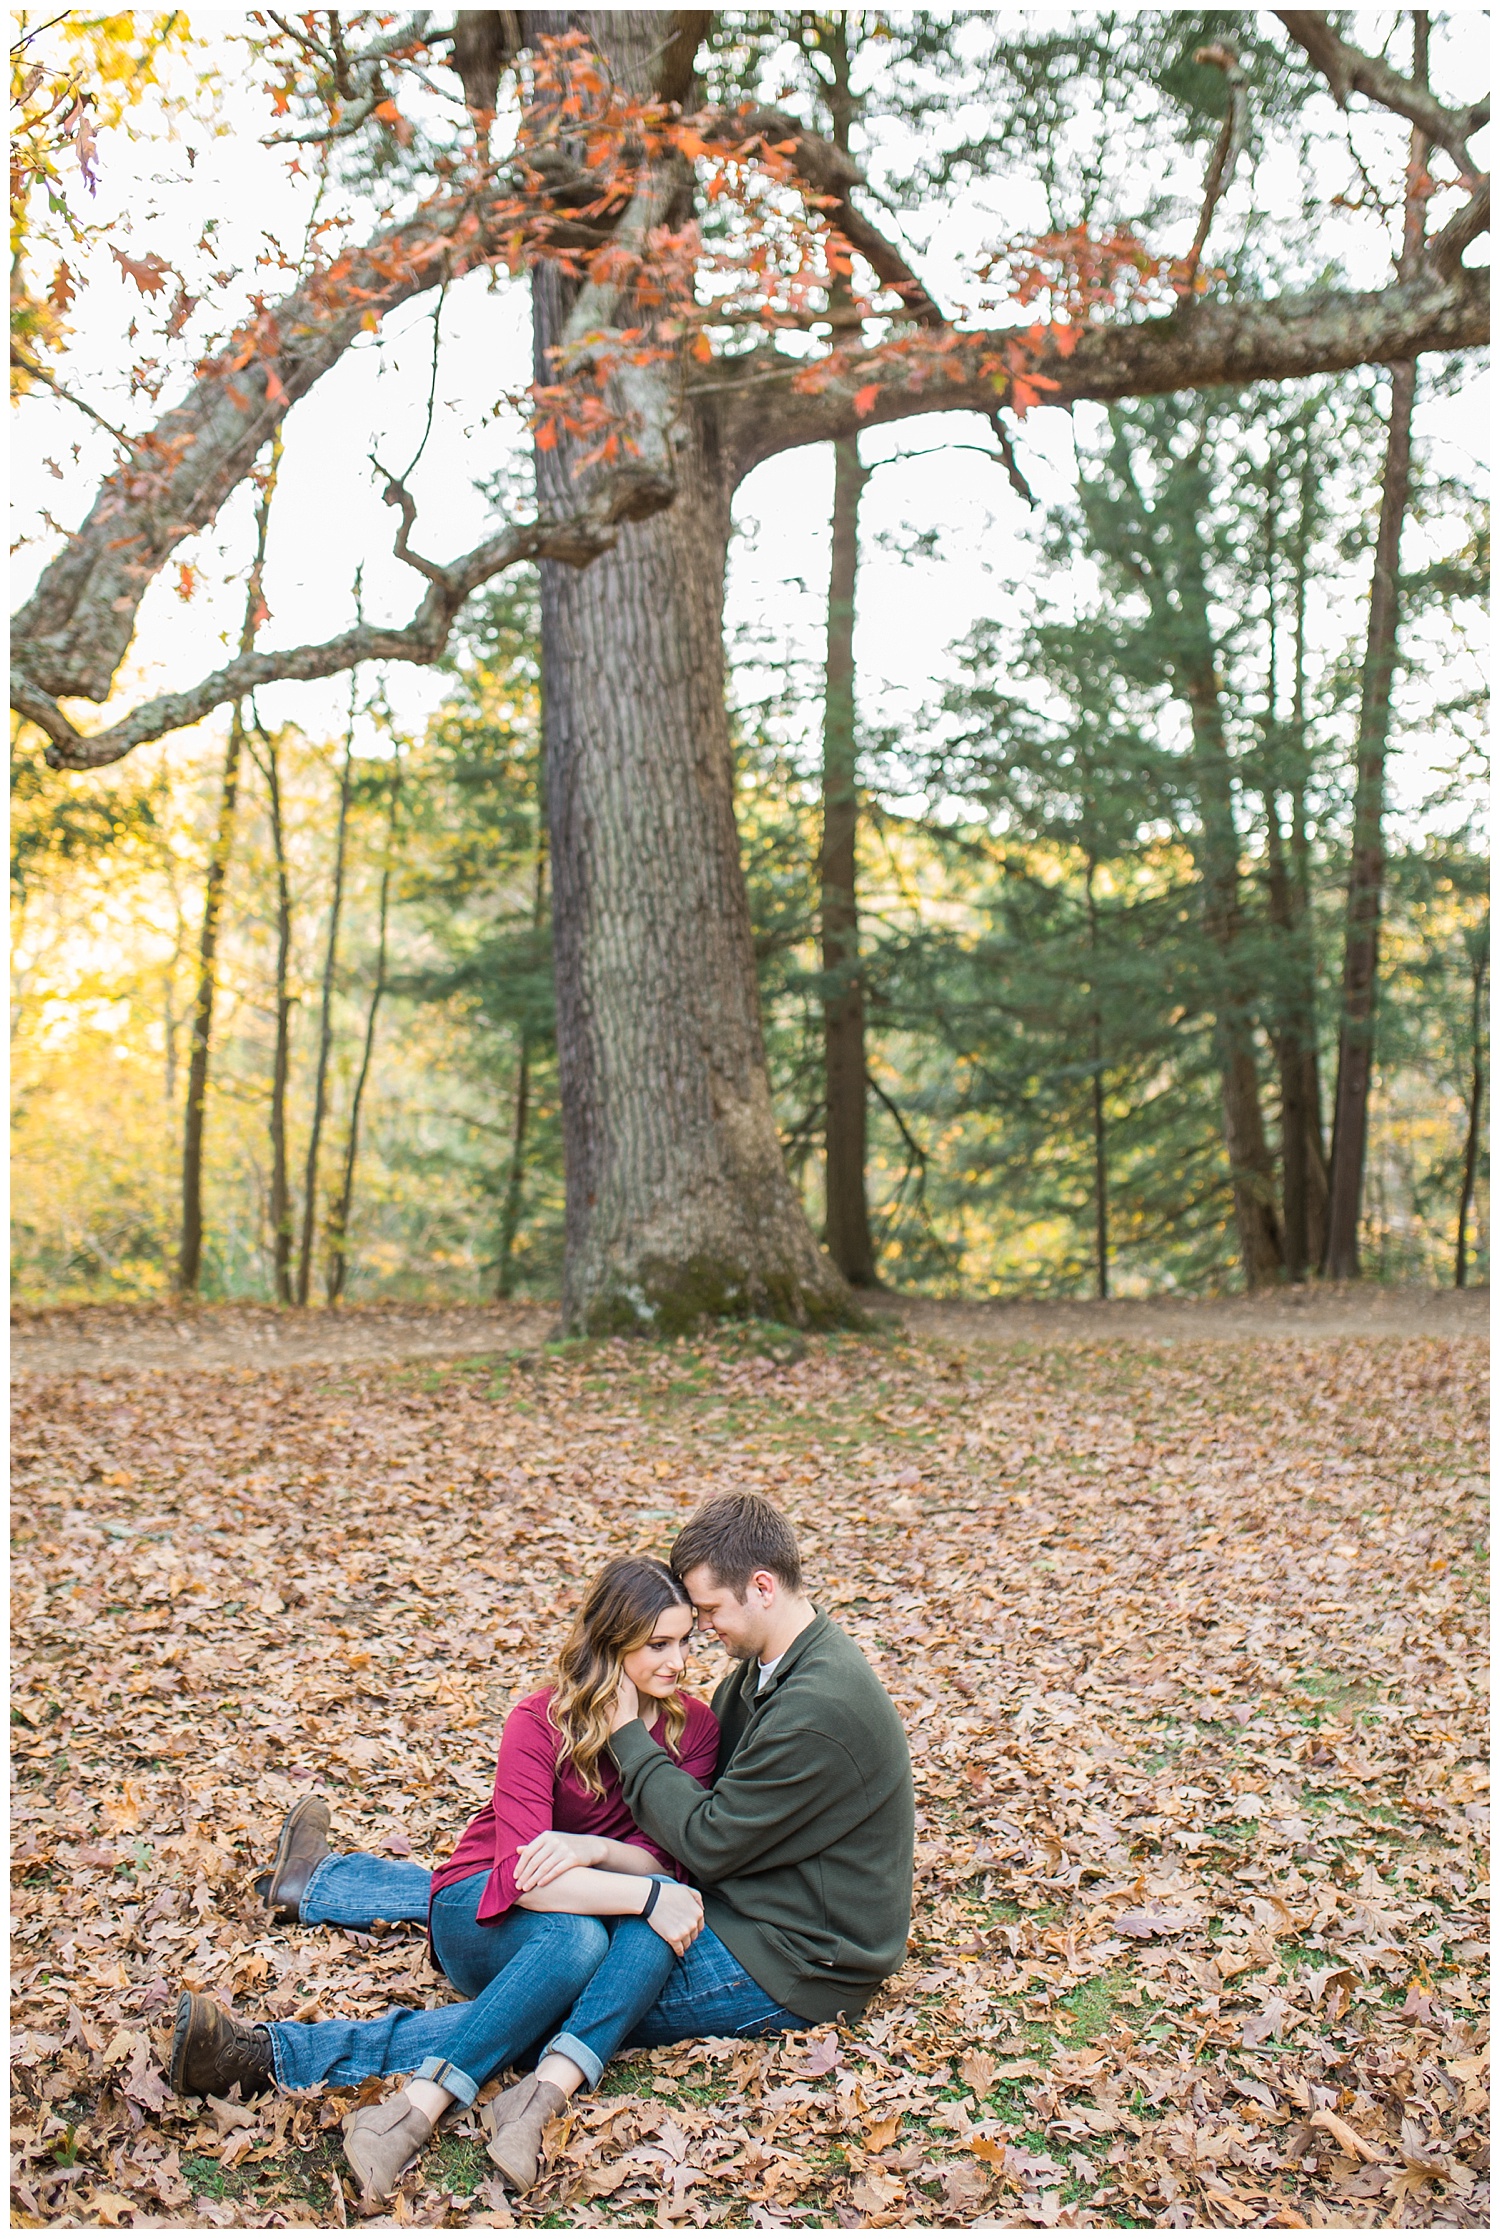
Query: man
x=802, y=1847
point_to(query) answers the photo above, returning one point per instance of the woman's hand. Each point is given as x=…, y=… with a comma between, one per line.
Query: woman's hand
x=550, y=1854
x=627, y=1705
x=677, y=1915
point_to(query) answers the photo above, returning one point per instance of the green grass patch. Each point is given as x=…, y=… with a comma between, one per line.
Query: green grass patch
x=458, y=2164
x=1094, y=2004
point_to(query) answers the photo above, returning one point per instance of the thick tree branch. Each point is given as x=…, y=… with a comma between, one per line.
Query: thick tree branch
x=763, y=404
x=1349, y=70
x=760, y=412
x=638, y=482
x=77, y=624
x=575, y=541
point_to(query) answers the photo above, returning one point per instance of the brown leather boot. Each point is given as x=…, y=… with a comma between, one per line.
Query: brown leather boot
x=212, y=2052
x=380, y=2141
x=303, y=1845
x=515, y=2122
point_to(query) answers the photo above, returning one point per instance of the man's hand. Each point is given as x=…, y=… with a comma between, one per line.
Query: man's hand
x=677, y=1915
x=550, y=1854
x=627, y=1705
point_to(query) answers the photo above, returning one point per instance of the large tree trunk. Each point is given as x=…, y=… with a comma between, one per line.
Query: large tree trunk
x=848, y=1218
x=678, y=1203
x=1351, y=1108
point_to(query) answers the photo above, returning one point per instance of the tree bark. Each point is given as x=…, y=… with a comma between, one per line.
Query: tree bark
x=848, y=1218
x=1480, y=964
x=1351, y=1113
x=338, y=1212
x=325, y=1020
x=678, y=1202
x=190, y=1248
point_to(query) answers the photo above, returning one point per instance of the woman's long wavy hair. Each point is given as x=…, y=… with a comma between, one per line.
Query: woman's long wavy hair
x=619, y=1613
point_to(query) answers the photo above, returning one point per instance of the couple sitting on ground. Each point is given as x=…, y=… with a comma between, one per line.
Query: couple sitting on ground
x=570, y=1918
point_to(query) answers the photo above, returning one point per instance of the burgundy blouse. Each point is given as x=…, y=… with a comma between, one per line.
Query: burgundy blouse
x=534, y=1792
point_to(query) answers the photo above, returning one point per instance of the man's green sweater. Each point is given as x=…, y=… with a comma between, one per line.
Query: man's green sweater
x=803, y=1846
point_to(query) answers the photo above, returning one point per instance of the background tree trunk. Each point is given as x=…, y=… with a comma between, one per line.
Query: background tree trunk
x=1351, y=1109
x=1096, y=1098
x=338, y=1212
x=1250, y=1167
x=678, y=1202
x=190, y=1249
x=281, y=1214
x=1303, y=1020
x=1479, y=956
x=848, y=1218
x=510, y=1211
x=325, y=1015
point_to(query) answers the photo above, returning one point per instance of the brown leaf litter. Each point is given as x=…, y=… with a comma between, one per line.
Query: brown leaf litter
x=1188, y=1644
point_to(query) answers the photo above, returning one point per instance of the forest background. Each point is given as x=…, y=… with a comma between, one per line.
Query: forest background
x=1040, y=982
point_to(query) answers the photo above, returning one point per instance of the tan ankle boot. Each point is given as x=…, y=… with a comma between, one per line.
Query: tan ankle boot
x=380, y=2141
x=515, y=2122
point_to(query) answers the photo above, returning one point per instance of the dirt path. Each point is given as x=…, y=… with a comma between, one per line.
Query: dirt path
x=66, y=1340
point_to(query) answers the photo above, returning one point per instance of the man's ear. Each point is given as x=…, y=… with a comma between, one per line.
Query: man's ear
x=766, y=1583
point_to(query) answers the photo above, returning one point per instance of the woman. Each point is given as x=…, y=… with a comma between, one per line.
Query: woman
x=554, y=1908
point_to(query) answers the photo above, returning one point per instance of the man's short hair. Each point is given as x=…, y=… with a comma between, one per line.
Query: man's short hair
x=735, y=1535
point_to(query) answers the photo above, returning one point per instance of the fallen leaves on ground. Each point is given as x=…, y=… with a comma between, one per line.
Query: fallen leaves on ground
x=1187, y=1642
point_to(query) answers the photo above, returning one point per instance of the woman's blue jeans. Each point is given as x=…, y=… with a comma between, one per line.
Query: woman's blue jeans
x=611, y=1983
x=519, y=1977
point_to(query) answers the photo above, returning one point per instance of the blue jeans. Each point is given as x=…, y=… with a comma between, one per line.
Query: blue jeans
x=709, y=1994
x=519, y=1976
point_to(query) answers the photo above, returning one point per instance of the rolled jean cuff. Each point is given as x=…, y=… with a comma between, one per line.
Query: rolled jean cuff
x=277, y=2068
x=582, y=2056
x=450, y=2079
x=312, y=1882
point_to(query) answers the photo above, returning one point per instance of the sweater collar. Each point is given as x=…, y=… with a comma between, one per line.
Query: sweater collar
x=789, y=1657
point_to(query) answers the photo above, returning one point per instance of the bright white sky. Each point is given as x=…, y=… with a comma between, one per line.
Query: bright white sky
x=328, y=517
